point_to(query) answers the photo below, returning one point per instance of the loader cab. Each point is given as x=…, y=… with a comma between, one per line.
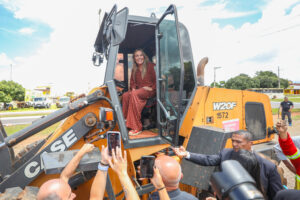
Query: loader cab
x=166, y=42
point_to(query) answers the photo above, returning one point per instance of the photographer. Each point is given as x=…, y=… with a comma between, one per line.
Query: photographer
x=251, y=165
x=171, y=174
x=270, y=179
x=159, y=185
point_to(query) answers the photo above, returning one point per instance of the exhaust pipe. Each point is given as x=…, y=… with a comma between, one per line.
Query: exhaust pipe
x=200, y=70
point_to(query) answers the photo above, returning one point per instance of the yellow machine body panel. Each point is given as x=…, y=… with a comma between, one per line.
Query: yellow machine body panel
x=219, y=107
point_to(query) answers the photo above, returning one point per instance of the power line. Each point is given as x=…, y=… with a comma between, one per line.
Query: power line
x=281, y=30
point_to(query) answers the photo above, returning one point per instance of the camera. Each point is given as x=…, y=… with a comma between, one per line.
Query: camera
x=234, y=182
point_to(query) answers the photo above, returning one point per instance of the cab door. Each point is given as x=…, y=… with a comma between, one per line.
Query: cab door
x=169, y=74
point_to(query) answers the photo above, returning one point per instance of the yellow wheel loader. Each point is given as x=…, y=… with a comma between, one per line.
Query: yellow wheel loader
x=184, y=111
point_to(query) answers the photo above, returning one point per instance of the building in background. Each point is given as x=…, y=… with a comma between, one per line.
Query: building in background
x=293, y=89
x=273, y=93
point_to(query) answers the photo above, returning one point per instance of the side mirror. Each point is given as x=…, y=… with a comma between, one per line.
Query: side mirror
x=97, y=59
x=120, y=26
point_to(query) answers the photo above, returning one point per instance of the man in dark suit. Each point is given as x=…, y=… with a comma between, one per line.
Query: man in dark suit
x=270, y=179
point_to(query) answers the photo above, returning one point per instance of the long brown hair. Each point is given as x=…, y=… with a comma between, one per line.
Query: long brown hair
x=135, y=66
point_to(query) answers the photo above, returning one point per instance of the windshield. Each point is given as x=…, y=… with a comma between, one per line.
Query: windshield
x=39, y=99
x=64, y=99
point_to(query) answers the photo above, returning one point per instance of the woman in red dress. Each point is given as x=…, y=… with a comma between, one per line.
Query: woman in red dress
x=142, y=87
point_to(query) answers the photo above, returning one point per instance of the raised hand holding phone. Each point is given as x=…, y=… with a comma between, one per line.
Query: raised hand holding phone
x=113, y=141
x=146, y=166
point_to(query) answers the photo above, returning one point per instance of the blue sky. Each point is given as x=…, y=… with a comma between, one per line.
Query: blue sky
x=252, y=10
x=289, y=9
x=241, y=36
x=237, y=22
x=16, y=43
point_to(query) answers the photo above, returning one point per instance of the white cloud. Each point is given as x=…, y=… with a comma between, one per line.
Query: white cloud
x=5, y=60
x=234, y=49
x=5, y=66
x=65, y=60
x=26, y=31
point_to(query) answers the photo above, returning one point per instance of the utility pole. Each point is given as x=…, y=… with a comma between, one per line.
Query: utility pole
x=278, y=78
x=215, y=68
x=11, y=72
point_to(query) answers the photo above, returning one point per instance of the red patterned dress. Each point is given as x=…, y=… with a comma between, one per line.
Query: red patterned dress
x=134, y=101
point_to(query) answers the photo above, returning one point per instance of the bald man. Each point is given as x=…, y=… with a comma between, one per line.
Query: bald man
x=171, y=174
x=59, y=189
x=55, y=189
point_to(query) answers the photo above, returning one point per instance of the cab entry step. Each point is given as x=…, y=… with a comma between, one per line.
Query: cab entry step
x=55, y=162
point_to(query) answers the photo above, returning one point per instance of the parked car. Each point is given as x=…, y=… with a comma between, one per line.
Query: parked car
x=41, y=102
x=28, y=104
x=62, y=102
x=9, y=106
x=12, y=105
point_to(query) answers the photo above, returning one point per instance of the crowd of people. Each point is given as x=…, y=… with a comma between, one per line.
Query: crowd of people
x=269, y=183
x=166, y=182
x=167, y=170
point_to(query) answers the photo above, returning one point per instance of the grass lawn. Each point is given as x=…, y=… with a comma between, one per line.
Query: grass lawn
x=21, y=115
x=53, y=107
x=15, y=128
x=292, y=99
x=275, y=110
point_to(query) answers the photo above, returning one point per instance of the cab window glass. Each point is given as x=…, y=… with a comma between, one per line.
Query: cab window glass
x=169, y=75
x=189, y=76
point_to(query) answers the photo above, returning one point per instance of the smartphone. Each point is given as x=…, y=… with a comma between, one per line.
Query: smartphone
x=146, y=166
x=113, y=141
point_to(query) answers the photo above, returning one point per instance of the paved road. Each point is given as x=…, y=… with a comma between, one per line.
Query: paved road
x=277, y=104
x=29, y=119
x=28, y=112
x=7, y=121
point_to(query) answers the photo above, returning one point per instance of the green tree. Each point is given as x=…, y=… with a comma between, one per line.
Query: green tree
x=5, y=98
x=266, y=73
x=268, y=79
x=10, y=90
x=220, y=84
x=241, y=82
x=284, y=83
x=262, y=79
